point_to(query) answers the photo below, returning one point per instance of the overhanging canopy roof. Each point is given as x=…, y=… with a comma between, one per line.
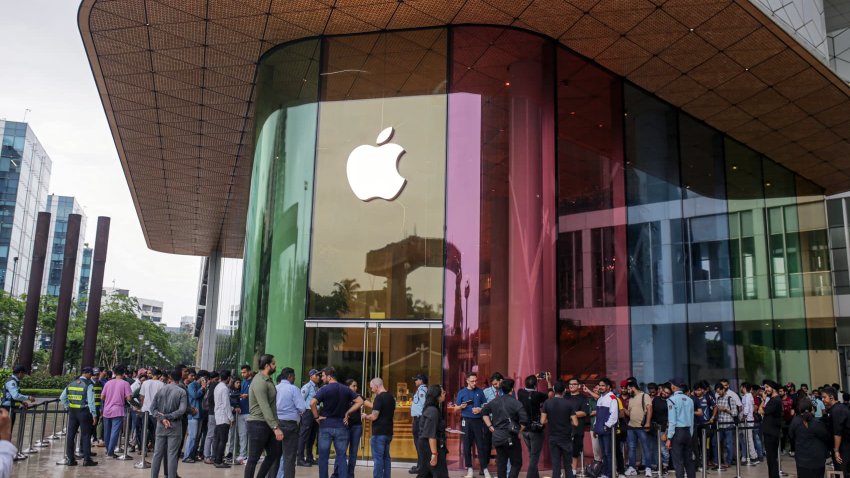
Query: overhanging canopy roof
x=176, y=78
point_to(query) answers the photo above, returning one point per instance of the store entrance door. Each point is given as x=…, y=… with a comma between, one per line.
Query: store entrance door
x=393, y=351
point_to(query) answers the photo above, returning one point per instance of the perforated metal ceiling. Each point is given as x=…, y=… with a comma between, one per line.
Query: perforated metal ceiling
x=176, y=80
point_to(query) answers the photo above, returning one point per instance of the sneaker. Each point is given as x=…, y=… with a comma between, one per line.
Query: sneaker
x=648, y=471
x=792, y=454
x=208, y=461
x=240, y=461
x=469, y=473
x=413, y=470
x=630, y=471
x=753, y=463
x=486, y=473
x=188, y=460
x=222, y=465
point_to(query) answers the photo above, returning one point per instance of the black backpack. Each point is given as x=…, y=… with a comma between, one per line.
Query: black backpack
x=594, y=469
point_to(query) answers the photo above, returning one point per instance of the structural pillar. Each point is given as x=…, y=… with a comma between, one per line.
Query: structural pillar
x=39, y=251
x=101, y=242
x=208, y=335
x=66, y=292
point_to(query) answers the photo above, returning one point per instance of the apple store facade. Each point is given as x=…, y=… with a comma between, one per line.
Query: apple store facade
x=530, y=212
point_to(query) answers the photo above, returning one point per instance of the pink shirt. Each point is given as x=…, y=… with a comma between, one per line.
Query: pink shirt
x=113, y=397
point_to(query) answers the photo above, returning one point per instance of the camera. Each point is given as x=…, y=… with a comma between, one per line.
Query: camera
x=542, y=375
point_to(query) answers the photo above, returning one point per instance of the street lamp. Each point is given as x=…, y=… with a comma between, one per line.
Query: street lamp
x=139, y=359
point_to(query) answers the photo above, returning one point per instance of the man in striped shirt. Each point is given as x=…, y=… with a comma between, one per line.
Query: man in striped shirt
x=726, y=412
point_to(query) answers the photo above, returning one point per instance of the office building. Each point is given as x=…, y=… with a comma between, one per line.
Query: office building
x=588, y=188
x=85, y=278
x=60, y=207
x=149, y=309
x=24, y=181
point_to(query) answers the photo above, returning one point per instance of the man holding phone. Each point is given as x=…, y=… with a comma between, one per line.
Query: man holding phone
x=470, y=400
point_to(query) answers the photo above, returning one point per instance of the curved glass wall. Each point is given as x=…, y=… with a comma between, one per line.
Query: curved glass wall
x=547, y=214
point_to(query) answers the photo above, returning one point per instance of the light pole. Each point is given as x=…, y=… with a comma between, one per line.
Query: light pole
x=139, y=359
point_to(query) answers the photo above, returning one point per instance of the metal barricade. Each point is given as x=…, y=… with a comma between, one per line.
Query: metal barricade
x=57, y=433
x=31, y=449
x=614, y=451
x=45, y=440
x=580, y=471
x=66, y=459
x=704, y=445
x=737, y=453
x=125, y=455
x=20, y=418
x=659, y=457
x=143, y=463
x=779, y=460
x=719, y=468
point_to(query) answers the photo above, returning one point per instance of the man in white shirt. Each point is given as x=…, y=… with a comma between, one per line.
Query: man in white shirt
x=147, y=393
x=223, y=417
x=748, y=405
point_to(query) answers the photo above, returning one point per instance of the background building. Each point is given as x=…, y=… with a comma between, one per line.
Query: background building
x=187, y=324
x=24, y=181
x=60, y=207
x=149, y=309
x=85, y=278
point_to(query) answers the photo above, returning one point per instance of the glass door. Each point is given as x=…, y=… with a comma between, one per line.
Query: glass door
x=393, y=351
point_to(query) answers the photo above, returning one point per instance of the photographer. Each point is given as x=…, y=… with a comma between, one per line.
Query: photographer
x=531, y=401
x=508, y=419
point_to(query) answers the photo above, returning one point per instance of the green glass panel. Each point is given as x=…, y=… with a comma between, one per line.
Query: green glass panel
x=279, y=211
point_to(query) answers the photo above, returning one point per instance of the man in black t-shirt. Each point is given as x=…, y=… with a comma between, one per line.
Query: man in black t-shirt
x=839, y=418
x=659, y=396
x=581, y=404
x=771, y=426
x=531, y=399
x=383, y=409
x=560, y=414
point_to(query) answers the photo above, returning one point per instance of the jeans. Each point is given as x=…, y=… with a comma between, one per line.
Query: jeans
x=727, y=436
x=192, y=435
x=381, y=456
x=561, y=451
x=534, y=443
x=473, y=429
x=220, y=442
x=757, y=442
x=261, y=438
x=355, y=433
x=339, y=437
x=288, y=446
x=607, y=459
x=634, y=436
x=509, y=453
x=242, y=428
x=112, y=431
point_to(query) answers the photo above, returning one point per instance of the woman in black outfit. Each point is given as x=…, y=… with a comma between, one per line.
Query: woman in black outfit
x=811, y=439
x=432, y=435
x=771, y=425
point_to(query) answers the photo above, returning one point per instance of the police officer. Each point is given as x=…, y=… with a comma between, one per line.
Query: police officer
x=12, y=396
x=680, y=429
x=421, y=382
x=78, y=398
x=97, y=382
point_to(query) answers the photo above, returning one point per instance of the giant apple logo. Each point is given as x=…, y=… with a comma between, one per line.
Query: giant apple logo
x=373, y=170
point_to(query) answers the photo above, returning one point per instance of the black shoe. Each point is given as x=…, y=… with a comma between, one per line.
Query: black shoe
x=303, y=463
x=222, y=465
x=89, y=463
x=188, y=460
x=71, y=463
x=312, y=461
x=481, y=473
x=413, y=470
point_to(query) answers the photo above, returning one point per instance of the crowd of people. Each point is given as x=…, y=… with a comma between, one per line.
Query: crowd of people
x=269, y=424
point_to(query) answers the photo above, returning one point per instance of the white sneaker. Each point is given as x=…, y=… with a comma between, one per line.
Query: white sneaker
x=469, y=473
x=631, y=471
x=574, y=472
x=486, y=473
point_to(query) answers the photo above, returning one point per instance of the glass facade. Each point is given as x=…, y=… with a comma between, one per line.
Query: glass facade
x=552, y=216
x=85, y=278
x=24, y=179
x=60, y=207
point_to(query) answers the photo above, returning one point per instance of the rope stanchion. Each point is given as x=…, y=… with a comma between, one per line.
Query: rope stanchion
x=126, y=450
x=31, y=449
x=67, y=459
x=704, y=444
x=737, y=453
x=56, y=413
x=779, y=461
x=21, y=419
x=614, y=451
x=719, y=457
x=580, y=471
x=233, y=435
x=143, y=463
x=45, y=440
x=658, y=446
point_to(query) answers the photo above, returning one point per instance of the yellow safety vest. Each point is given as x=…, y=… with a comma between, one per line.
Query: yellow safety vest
x=76, y=393
x=98, y=389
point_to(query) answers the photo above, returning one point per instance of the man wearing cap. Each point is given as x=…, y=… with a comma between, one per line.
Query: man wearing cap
x=12, y=396
x=78, y=398
x=307, y=430
x=421, y=382
x=680, y=429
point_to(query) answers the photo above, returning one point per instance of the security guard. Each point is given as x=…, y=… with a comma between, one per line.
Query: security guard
x=680, y=429
x=421, y=382
x=12, y=396
x=78, y=398
x=97, y=382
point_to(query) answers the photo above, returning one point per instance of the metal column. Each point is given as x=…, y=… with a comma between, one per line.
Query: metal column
x=101, y=242
x=39, y=251
x=208, y=337
x=66, y=292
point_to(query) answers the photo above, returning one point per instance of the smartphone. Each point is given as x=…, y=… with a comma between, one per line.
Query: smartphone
x=468, y=402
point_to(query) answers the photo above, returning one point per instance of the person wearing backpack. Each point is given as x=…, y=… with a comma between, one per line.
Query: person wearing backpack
x=507, y=422
x=639, y=412
x=532, y=400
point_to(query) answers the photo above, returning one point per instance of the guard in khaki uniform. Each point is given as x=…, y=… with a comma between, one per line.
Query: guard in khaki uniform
x=78, y=398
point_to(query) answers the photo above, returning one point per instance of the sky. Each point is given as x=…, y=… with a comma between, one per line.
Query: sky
x=45, y=70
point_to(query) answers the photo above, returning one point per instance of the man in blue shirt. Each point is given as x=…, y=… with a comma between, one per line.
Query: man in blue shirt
x=78, y=399
x=290, y=408
x=242, y=419
x=307, y=432
x=680, y=429
x=421, y=382
x=12, y=396
x=470, y=400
